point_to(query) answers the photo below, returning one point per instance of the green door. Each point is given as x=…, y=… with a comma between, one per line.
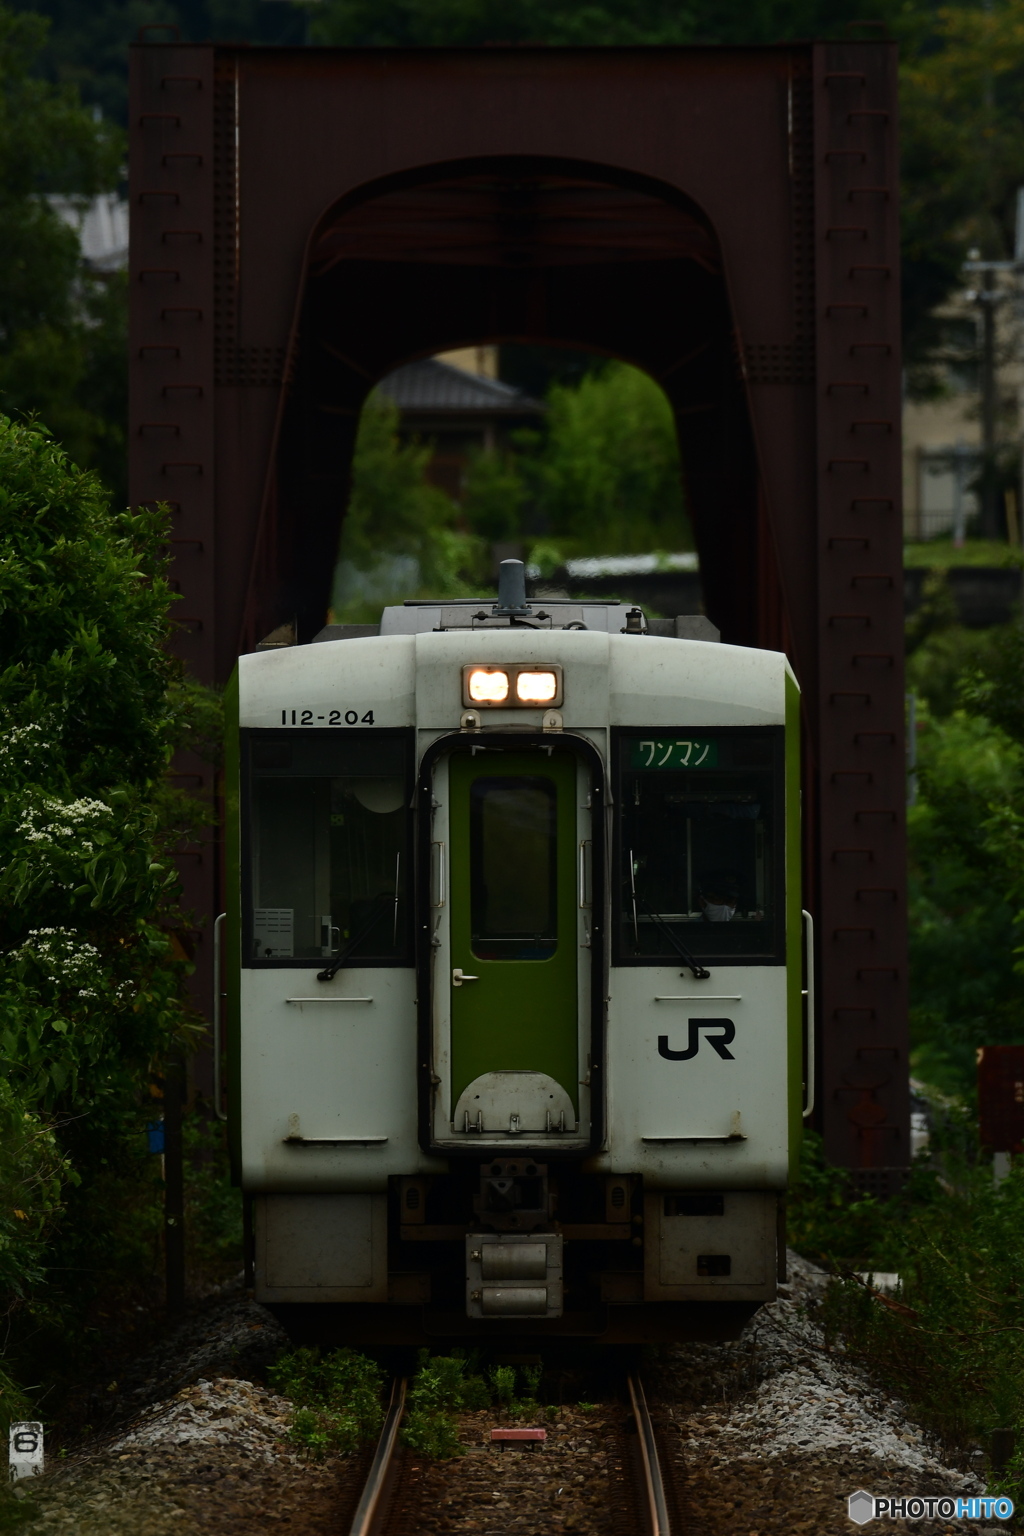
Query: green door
x=513, y=917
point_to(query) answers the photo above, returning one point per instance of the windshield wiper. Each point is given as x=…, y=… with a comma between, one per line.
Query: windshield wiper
x=383, y=900
x=700, y=972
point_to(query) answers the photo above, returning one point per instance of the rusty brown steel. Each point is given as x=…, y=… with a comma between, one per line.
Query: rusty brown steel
x=1001, y=1097
x=724, y=218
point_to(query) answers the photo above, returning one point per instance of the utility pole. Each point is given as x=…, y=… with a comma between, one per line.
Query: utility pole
x=989, y=509
x=988, y=296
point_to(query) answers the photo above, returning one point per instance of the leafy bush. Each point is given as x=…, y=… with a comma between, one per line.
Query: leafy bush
x=91, y=987
x=213, y=1203
x=337, y=1397
x=32, y=1173
x=445, y=1385
x=88, y=971
x=432, y=1434
x=503, y=1380
x=950, y=1341
x=829, y=1227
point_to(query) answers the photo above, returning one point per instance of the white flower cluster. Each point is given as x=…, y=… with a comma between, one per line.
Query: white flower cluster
x=52, y=821
x=20, y=743
x=74, y=964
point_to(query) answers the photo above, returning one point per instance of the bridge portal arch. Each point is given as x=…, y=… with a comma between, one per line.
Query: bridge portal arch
x=784, y=159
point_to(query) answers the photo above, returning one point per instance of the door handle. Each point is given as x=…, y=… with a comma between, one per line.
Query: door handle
x=458, y=977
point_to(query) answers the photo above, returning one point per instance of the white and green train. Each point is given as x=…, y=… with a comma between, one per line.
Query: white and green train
x=514, y=960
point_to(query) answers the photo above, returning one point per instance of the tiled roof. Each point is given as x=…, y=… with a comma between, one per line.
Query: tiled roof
x=433, y=386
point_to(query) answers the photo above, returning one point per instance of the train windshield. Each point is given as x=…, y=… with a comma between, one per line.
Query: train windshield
x=700, y=856
x=329, y=865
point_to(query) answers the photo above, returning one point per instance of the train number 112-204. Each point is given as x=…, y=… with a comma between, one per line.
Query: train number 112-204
x=332, y=717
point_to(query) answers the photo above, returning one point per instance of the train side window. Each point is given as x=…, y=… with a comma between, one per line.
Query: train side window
x=699, y=849
x=328, y=859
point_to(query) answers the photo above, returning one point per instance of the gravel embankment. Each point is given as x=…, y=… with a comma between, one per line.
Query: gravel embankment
x=773, y=1433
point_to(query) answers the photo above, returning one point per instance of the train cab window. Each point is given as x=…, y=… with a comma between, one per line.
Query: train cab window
x=699, y=849
x=328, y=863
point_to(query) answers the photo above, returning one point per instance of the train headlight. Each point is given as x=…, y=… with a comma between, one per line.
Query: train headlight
x=487, y=685
x=516, y=685
x=536, y=687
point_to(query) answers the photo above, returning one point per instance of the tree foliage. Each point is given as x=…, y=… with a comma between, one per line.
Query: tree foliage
x=966, y=843
x=90, y=708
x=399, y=537
x=606, y=473
x=602, y=477
x=63, y=333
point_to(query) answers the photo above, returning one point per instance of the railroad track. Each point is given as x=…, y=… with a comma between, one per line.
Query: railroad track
x=643, y=1496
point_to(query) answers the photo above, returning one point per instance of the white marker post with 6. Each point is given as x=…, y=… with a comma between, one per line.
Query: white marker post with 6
x=26, y=1449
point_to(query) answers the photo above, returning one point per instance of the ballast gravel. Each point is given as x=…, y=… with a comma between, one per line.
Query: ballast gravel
x=577, y=1483
x=772, y=1433
x=214, y=1458
x=775, y=1431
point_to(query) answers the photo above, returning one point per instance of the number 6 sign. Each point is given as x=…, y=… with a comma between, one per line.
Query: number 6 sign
x=26, y=1452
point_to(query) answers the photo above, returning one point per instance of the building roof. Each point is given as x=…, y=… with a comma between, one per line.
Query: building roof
x=589, y=567
x=432, y=386
x=101, y=224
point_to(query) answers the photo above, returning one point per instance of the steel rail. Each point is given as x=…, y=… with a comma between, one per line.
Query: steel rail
x=365, y=1519
x=654, y=1487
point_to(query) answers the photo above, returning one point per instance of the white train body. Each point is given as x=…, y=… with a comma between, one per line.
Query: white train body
x=516, y=1105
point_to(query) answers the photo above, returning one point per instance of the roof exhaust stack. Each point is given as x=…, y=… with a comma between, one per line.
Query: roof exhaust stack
x=511, y=589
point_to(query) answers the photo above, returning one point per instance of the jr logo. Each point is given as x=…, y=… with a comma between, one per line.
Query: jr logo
x=723, y=1036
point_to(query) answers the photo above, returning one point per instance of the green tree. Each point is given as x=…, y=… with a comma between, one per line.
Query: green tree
x=62, y=329
x=87, y=44
x=963, y=898
x=606, y=475
x=966, y=841
x=400, y=535
x=424, y=23
x=495, y=496
x=962, y=133
x=91, y=710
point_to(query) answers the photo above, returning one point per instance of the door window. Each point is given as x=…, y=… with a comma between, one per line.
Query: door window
x=513, y=867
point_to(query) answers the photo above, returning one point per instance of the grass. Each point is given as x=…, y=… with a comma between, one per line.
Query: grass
x=949, y=1342
x=941, y=554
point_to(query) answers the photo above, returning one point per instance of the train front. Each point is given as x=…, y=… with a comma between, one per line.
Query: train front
x=515, y=1003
